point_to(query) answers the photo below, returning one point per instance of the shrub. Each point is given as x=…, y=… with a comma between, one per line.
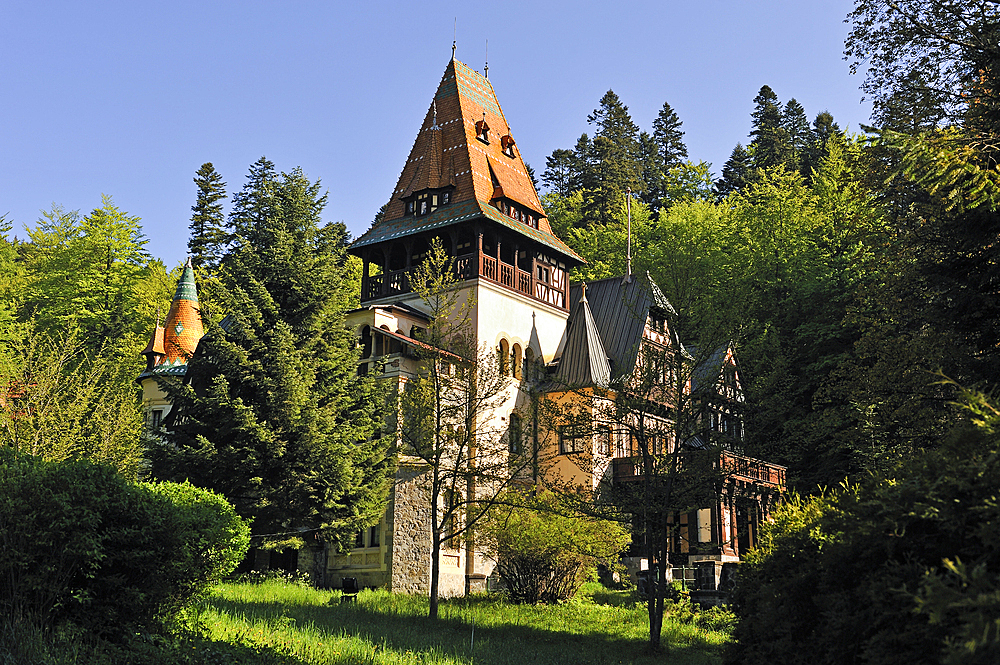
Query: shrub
x=543, y=555
x=84, y=546
x=901, y=569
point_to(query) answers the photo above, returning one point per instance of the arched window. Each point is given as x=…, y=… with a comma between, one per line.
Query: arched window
x=515, y=361
x=514, y=434
x=503, y=357
x=529, y=365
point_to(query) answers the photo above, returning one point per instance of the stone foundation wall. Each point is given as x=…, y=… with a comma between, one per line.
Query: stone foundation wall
x=409, y=523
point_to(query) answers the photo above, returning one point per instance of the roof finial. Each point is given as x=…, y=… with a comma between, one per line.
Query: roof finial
x=454, y=41
x=434, y=123
x=486, y=67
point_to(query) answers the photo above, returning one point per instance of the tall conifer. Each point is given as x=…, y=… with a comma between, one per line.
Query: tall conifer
x=668, y=137
x=208, y=237
x=275, y=416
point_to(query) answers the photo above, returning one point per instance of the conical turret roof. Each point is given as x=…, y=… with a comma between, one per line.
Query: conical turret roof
x=172, y=344
x=465, y=143
x=584, y=361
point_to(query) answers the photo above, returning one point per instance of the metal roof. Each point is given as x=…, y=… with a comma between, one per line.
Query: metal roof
x=620, y=308
x=584, y=361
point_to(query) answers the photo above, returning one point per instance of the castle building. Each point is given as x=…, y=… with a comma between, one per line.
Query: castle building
x=575, y=347
x=465, y=185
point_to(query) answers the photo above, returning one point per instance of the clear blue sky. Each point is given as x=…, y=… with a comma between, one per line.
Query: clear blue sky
x=130, y=98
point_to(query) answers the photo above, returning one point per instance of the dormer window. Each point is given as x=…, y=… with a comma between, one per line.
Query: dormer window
x=507, y=145
x=483, y=131
x=427, y=201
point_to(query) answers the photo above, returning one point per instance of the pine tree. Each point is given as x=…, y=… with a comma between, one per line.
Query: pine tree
x=275, y=416
x=796, y=126
x=654, y=172
x=669, y=138
x=562, y=174
x=610, y=163
x=823, y=129
x=770, y=145
x=735, y=172
x=208, y=235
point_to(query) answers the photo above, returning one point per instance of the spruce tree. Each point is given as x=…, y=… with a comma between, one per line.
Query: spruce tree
x=562, y=174
x=796, y=126
x=274, y=416
x=654, y=172
x=823, y=129
x=735, y=172
x=611, y=162
x=669, y=138
x=208, y=234
x=770, y=144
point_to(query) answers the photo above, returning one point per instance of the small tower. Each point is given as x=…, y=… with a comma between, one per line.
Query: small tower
x=171, y=346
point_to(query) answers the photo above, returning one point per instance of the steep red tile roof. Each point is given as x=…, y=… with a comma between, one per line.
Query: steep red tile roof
x=448, y=152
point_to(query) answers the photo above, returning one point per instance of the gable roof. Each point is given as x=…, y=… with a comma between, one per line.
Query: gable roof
x=619, y=309
x=447, y=153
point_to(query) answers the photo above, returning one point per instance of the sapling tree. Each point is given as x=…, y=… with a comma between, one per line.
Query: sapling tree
x=448, y=414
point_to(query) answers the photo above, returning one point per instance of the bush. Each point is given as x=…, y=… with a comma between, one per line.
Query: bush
x=84, y=546
x=544, y=556
x=901, y=569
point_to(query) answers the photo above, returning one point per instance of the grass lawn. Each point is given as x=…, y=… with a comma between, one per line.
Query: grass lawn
x=299, y=624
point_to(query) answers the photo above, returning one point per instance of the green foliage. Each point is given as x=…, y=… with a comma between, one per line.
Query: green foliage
x=926, y=60
x=83, y=546
x=275, y=417
x=86, y=272
x=208, y=239
x=65, y=401
x=543, y=554
x=901, y=569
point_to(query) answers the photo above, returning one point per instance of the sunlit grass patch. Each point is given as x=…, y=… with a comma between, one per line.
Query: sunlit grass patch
x=315, y=627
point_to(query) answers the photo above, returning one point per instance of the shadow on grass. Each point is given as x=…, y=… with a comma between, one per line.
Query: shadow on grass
x=397, y=628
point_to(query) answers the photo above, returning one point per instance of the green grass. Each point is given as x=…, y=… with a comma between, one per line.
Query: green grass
x=312, y=626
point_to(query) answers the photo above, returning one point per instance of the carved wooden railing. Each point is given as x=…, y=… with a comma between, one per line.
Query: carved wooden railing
x=627, y=469
x=488, y=267
x=470, y=266
x=507, y=275
x=753, y=469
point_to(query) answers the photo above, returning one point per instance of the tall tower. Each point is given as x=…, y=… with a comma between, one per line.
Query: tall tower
x=465, y=183
x=171, y=346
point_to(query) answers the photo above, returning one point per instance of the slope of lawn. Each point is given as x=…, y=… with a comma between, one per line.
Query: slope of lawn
x=313, y=626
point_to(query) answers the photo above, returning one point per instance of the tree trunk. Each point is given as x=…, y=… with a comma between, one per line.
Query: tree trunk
x=435, y=562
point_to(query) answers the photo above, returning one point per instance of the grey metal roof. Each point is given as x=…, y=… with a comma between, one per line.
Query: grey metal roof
x=620, y=309
x=584, y=361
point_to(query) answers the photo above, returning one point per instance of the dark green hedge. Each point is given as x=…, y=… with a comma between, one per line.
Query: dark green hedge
x=82, y=545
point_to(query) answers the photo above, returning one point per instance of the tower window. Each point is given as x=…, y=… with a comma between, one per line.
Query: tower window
x=445, y=198
x=507, y=145
x=483, y=130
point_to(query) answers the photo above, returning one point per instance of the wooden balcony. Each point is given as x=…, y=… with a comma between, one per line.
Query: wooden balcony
x=471, y=266
x=736, y=467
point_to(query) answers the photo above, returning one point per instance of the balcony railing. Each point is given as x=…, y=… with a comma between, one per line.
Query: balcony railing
x=627, y=469
x=469, y=266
